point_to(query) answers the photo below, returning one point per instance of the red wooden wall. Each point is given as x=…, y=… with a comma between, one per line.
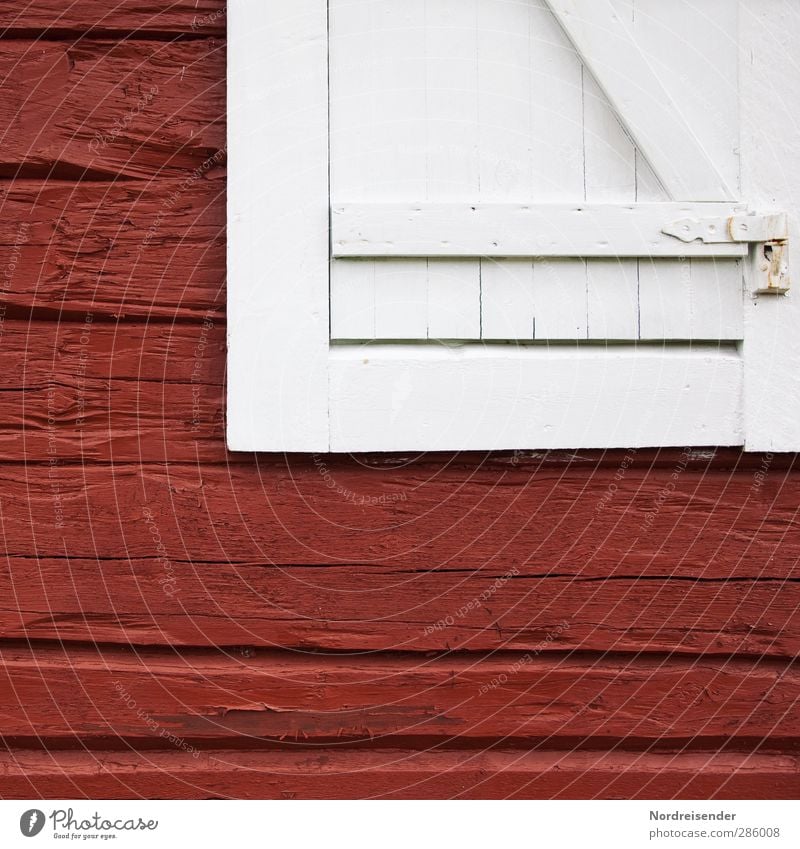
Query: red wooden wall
x=176, y=621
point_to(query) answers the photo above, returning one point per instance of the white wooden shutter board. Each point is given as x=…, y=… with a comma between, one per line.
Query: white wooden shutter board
x=434, y=397
x=420, y=61
x=771, y=175
x=612, y=286
x=548, y=300
x=521, y=74
x=277, y=226
x=690, y=49
x=522, y=229
x=579, y=148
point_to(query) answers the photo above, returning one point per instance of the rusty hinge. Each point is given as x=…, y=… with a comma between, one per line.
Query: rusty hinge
x=769, y=233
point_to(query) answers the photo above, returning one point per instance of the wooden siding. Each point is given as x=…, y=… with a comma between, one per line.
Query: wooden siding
x=602, y=624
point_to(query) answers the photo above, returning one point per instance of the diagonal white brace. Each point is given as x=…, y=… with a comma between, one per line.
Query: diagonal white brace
x=662, y=132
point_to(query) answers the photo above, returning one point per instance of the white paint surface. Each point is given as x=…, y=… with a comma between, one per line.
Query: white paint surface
x=523, y=229
x=664, y=133
x=506, y=113
x=442, y=105
x=770, y=79
x=433, y=397
x=277, y=226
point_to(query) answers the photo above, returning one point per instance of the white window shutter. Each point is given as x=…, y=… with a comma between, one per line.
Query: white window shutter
x=498, y=252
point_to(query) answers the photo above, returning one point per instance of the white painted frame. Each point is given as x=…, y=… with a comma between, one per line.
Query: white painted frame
x=278, y=220
x=289, y=390
x=768, y=67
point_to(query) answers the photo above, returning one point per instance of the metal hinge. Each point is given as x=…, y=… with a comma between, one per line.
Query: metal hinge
x=769, y=233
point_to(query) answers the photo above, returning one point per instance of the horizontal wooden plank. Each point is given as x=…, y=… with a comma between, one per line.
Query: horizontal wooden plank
x=251, y=696
x=473, y=397
x=524, y=229
x=163, y=602
x=99, y=390
x=129, y=17
x=129, y=248
x=625, y=519
x=336, y=773
x=112, y=108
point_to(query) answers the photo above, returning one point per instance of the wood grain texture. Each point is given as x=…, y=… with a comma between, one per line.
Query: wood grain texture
x=441, y=514
x=153, y=248
x=336, y=773
x=249, y=697
x=159, y=601
x=111, y=109
x=123, y=18
x=95, y=390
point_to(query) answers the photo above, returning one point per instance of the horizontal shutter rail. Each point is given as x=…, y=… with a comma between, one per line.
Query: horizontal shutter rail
x=488, y=397
x=524, y=230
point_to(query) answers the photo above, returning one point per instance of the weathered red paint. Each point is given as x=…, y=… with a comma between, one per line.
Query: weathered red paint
x=249, y=697
x=111, y=109
x=143, y=249
x=263, y=605
x=605, y=624
x=337, y=773
x=124, y=18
